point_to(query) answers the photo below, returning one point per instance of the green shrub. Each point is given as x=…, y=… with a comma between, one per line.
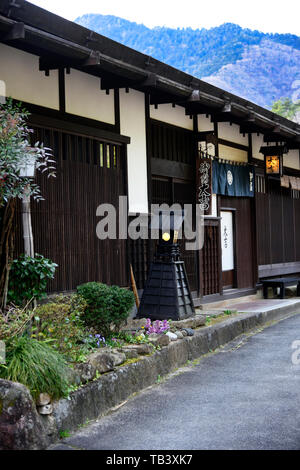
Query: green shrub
x=36, y=365
x=28, y=278
x=60, y=320
x=107, y=306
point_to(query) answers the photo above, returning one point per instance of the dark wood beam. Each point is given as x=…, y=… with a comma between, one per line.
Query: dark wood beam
x=209, y=137
x=250, y=128
x=150, y=81
x=235, y=145
x=62, y=90
x=54, y=63
x=293, y=144
x=273, y=149
x=115, y=82
x=16, y=32
x=192, y=108
x=274, y=137
x=224, y=117
x=250, y=118
x=157, y=98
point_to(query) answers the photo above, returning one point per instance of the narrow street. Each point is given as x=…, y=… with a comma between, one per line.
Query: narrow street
x=244, y=397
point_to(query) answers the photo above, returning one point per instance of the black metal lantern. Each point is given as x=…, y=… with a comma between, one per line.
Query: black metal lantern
x=168, y=225
x=167, y=293
x=273, y=160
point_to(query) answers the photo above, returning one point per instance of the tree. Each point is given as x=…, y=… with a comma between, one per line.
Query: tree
x=16, y=152
x=287, y=108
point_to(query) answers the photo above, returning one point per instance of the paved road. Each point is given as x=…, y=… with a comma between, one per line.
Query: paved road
x=241, y=398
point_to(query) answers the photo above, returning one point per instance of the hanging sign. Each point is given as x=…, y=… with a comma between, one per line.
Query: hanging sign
x=204, y=183
x=233, y=180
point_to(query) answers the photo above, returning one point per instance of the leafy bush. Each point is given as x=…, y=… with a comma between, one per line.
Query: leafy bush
x=36, y=365
x=107, y=306
x=60, y=320
x=16, y=152
x=28, y=278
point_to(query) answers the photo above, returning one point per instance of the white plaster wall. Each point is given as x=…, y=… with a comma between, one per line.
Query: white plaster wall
x=23, y=80
x=231, y=133
x=257, y=142
x=133, y=125
x=85, y=98
x=204, y=123
x=231, y=153
x=175, y=116
x=292, y=159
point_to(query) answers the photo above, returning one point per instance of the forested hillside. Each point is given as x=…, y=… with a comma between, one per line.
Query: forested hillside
x=260, y=67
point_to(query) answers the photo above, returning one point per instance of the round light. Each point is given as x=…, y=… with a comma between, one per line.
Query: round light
x=166, y=237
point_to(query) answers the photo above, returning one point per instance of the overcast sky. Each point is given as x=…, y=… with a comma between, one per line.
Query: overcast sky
x=280, y=16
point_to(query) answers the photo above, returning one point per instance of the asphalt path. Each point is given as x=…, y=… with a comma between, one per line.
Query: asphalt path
x=245, y=396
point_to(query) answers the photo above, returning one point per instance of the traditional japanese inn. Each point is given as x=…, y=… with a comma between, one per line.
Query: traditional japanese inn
x=121, y=123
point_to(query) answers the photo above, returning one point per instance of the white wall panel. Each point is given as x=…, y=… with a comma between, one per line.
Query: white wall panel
x=232, y=133
x=292, y=159
x=23, y=80
x=85, y=98
x=133, y=125
x=230, y=153
x=175, y=116
x=204, y=123
x=257, y=142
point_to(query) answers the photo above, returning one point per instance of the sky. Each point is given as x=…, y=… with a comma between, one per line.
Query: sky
x=265, y=15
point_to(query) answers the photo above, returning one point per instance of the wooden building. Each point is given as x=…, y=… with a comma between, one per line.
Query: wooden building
x=122, y=123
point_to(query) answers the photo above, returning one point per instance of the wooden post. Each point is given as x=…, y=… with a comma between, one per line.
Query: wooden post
x=133, y=284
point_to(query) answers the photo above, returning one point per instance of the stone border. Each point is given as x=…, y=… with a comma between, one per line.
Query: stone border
x=100, y=396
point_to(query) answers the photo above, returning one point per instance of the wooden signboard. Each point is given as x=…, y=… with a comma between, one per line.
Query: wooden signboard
x=204, y=183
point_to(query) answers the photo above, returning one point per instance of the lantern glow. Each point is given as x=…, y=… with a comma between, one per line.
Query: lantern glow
x=274, y=160
x=273, y=165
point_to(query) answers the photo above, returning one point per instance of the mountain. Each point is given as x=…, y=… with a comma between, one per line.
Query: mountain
x=265, y=73
x=258, y=66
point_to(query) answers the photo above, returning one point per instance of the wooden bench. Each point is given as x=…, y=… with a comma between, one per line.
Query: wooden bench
x=280, y=282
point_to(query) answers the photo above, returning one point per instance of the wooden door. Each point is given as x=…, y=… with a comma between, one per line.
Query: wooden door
x=228, y=248
x=244, y=239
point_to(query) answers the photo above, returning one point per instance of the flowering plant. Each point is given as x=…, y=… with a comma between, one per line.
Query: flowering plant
x=157, y=327
x=95, y=341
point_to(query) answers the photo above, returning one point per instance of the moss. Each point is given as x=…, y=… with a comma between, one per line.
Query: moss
x=213, y=320
x=131, y=361
x=11, y=404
